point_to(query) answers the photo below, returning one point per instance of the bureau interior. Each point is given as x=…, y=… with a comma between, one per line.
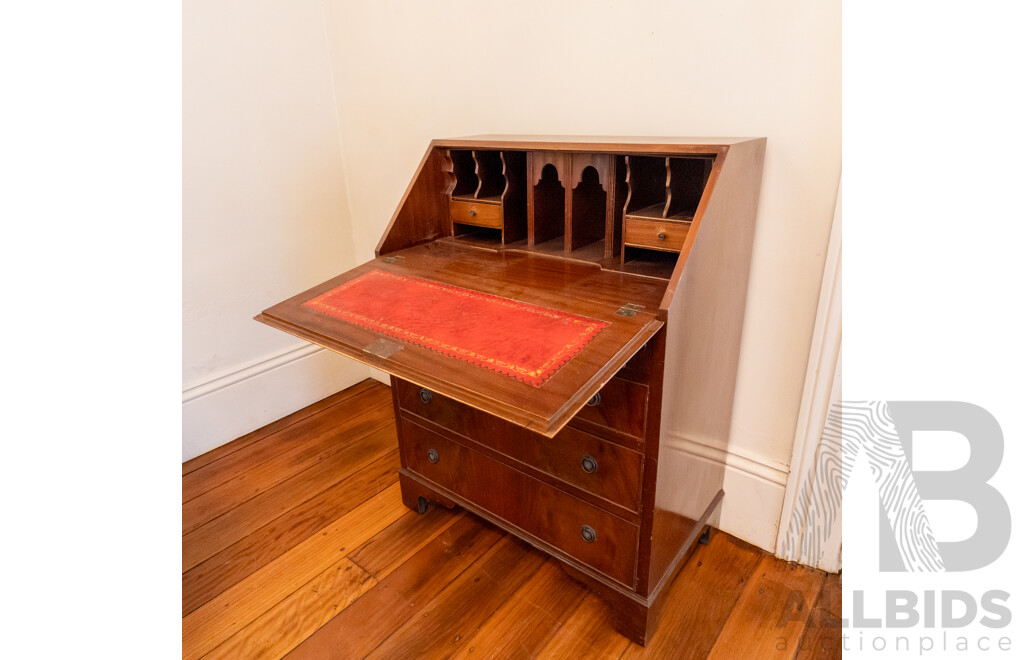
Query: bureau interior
x=624, y=212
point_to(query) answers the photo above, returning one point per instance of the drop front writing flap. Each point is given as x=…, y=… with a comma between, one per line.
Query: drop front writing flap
x=523, y=337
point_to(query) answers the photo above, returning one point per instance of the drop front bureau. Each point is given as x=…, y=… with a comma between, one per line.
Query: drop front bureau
x=561, y=318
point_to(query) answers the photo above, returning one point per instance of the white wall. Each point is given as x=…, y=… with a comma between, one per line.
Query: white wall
x=406, y=72
x=265, y=213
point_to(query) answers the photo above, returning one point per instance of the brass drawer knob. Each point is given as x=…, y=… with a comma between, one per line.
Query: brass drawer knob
x=472, y=214
x=432, y=455
x=662, y=236
x=589, y=464
x=426, y=395
x=595, y=400
x=588, y=534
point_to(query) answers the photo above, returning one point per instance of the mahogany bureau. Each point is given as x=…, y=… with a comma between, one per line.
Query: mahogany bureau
x=638, y=250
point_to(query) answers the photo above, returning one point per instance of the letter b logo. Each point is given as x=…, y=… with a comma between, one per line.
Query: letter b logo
x=967, y=484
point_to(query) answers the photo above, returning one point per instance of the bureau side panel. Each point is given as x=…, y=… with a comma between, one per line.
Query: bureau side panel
x=704, y=321
x=422, y=215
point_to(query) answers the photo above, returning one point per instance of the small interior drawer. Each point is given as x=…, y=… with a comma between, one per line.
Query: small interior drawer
x=655, y=234
x=476, y=213
x=580, y=530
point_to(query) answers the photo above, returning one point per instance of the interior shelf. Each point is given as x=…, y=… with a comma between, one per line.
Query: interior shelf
x=481, y=237
x=548, y=207
x=665, y=188
x=646, y=177
x=554, y=246
x=589, y=210
x=495, y=179
x=513, y=198
x=652, y=211
x=650, y=263
x=578, y=206
x=593, y=253
x=490, y=172
x=686, y=180
x=479, y=175
x=464, y=169
x=493, y=199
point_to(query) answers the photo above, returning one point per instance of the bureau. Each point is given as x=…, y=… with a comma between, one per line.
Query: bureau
x=561, y=318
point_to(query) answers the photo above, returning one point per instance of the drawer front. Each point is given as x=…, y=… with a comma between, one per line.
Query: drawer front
x=638, y=369
x=655, y=234
x=573, y=456
x=476, y=214
x=619, y=408
x=588, y=534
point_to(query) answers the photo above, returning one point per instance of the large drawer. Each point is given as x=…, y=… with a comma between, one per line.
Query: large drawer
x=581, y=459
x=580, y=530
x=617, y=412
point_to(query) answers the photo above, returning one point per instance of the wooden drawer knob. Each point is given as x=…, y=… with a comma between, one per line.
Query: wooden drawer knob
x=662, y=236
x=588, y=534
x=432, y=455
x=425, y=395
x=472, y=213
x=589, y=464
x=595, y=400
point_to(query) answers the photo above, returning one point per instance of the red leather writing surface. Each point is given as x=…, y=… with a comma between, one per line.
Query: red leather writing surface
x=520, y=340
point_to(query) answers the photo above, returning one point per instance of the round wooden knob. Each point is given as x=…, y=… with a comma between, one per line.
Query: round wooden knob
x=589, y=464
x=588, y=534
x=426, y=395
x=472, y=213
x=662, y=236
x=595, y=400
x=432, y=455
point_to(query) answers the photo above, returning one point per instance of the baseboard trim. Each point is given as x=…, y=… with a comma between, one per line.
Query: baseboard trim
x=250, y=370
x=229, y=405
x=754, y=485
x=740, y=460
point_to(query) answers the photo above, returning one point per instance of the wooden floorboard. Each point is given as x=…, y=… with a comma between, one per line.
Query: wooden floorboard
x=234, y=524
x=769, y=619
x=691, y=621
x=401, y=595
x=525, y=622
x=273, y=539
x=252, y=480
x=823, y=635
x=243, y=603
x=296, y=543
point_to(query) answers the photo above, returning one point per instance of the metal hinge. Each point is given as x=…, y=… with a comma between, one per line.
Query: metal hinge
x=629, y=310
x=382, y=348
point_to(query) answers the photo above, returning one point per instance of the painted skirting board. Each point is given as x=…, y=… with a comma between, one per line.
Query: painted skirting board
x=754, y=486
x=228, y=405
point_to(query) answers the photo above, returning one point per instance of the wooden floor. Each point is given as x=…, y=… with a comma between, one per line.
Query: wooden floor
x=295, y=542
